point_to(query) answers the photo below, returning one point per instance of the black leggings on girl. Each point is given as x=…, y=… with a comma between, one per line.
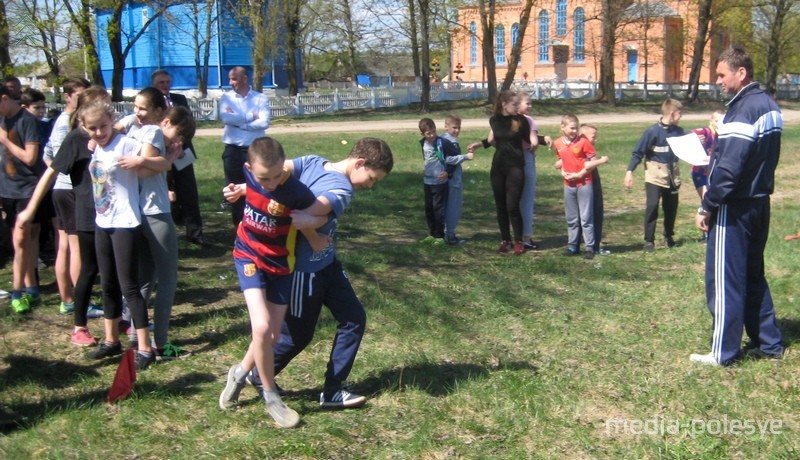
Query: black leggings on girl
x=507, y=185
x=118, y=261
x=83, y=287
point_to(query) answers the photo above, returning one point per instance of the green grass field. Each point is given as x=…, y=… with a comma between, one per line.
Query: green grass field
x=468, y=354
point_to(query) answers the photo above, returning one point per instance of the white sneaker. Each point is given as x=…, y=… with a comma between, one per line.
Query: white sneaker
x=340, y=399
x=707, y=359
x=4, y=294
x=284, y=416
x=229, y=398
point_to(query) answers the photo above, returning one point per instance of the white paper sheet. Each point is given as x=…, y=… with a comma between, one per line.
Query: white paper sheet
x=187, y=159
x=689, y=149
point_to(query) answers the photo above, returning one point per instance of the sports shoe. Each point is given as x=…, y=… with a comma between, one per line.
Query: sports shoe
x=32, y=301
x=669, y=242
x=21, y=305
x=83, y=338
x=438, y=242
x=649, y=247
x=94, y=311
x=4, y=294
x=453, y=239
x=756, y=353
x=604, y=252
x=588, y=255
x=569, y=252
x=340, y=399
x=505, y=246
x=229, y=397
x=170, y=352
x=66, y=308
x=253, y=379
x=105, y=350
x=284, y=416
x=530, y=245
x=428, y=239
x=143, y=360
x=707, y=359
x=519, y=248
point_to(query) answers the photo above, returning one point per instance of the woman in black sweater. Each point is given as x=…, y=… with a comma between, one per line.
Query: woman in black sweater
x=508, y=131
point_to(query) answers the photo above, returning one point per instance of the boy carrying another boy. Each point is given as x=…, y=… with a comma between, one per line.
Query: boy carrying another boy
x=264, y=259
x=577, y=156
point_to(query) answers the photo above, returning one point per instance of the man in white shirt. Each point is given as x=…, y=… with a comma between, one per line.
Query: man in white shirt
x=245, y=114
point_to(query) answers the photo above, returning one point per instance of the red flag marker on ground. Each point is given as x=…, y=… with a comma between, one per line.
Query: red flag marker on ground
x=124, y=379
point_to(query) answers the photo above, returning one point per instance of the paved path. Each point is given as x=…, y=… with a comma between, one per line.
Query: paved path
x=789, y=116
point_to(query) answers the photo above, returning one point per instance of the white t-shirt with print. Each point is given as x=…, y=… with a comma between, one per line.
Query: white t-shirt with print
x=153, y=190
x=116, y=190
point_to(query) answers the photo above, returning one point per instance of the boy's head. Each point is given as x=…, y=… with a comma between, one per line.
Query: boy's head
x=265, y=159
x=671, y=111
x=14, y=86
x=452, y=125
x=428, y=129
x=71, y=88
x=589, y=131
x=569, y=126
x=33, y=101
x=373, y=161
x=178, y=124
x=716, y=117
x=8, y=104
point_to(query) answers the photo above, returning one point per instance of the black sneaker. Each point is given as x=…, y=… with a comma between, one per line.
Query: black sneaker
x=669, y=242
x=105, y=350
x=144, y=360
x=340, y=398
x=588, y=255
x=530, y=245
x=649, y=247
x=453, y=239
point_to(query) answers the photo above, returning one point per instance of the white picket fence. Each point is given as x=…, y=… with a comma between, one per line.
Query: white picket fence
x=398, y=96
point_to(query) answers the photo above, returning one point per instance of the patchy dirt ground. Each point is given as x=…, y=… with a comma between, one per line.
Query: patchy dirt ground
x=789, y=116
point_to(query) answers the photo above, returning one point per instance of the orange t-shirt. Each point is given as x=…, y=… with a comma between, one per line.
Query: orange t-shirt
x=573, y=155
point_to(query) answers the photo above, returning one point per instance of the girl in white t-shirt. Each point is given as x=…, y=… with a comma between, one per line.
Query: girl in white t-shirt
x=118, y=232
x=161, y=133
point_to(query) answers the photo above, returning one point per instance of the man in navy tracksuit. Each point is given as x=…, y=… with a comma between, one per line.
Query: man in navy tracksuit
x=736, y=211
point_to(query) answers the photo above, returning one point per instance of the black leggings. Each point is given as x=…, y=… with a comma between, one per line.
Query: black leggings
x=118, y=260
x=83, y=287
x=507, y=184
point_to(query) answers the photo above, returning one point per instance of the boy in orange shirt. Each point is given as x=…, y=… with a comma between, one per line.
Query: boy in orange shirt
x=577, y=157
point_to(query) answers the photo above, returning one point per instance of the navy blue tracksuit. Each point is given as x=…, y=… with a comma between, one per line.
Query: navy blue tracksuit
x=740, y=181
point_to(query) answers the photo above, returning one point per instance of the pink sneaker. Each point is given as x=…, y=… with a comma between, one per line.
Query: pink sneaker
x=83, y=338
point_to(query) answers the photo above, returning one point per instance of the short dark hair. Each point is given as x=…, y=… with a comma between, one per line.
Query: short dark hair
x=73, y=83
x=266, y=151
x=426, y=124
x=158, y=72
x=31, y=96
x=736, y=57
x=376, y=154
x=182, y=119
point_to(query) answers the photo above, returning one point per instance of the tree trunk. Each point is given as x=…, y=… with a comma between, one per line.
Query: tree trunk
x=82, y=20
x=413, y=34
x=292, y=37
x=425, y=96
x=700, y=41
x=487, y=9
x=6, y=66
x=774, y=49
x=516, y=49
x=350, y=33
x=609, y=40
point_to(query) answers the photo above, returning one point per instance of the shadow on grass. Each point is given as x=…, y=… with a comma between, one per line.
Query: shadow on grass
x=436, y=379
x=26, y=415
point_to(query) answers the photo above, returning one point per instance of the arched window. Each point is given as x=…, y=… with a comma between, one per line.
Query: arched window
x=473, y=44
x=561, y=18
x=500, y=44
x=544, y=36
x=578, y=39
x=514, y=38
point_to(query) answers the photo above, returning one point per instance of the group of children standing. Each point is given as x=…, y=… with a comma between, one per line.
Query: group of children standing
x=514, y=135
x=118, y=196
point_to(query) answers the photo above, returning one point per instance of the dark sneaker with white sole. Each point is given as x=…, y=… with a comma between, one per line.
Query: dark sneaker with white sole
x=105, y=350
x=340, y=398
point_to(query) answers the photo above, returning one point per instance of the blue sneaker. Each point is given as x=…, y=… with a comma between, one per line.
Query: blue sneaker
x=94, y=312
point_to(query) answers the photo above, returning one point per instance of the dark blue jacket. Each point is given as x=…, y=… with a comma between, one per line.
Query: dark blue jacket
x=747, y=149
